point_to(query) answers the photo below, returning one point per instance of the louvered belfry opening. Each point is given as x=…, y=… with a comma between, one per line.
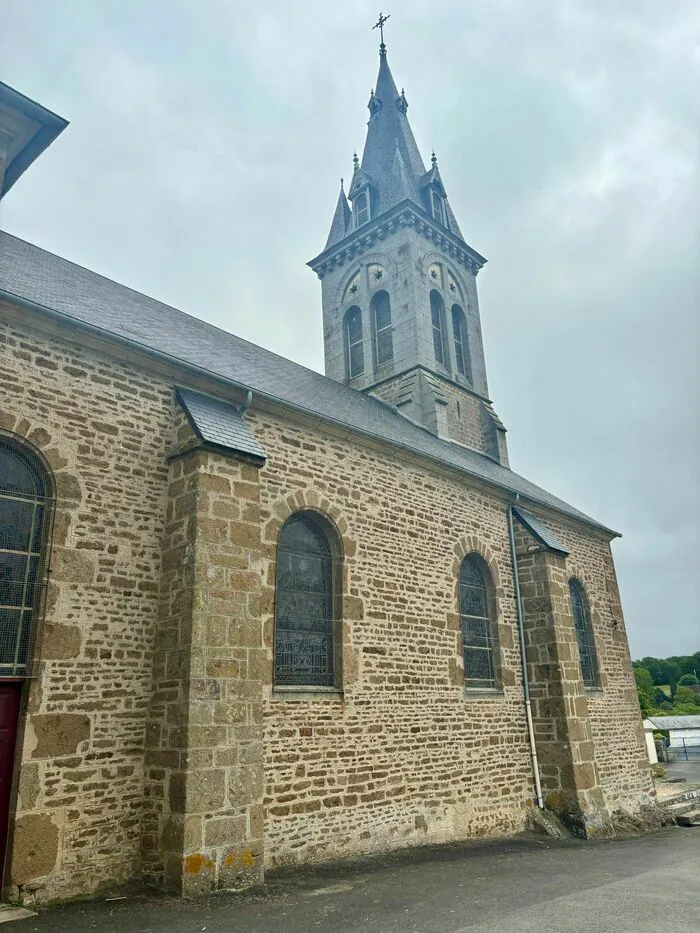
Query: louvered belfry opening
x=26, y=510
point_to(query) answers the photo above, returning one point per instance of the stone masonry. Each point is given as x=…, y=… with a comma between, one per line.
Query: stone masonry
x=153, y=743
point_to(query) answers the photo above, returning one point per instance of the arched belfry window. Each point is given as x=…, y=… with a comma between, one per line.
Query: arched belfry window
x=477, y=615
x=437, y=316
x=459, y=334
x=437, y=206
x=584, y=633
x=353, y=342
x=381, y=321
x=25, y=506
x=307, y=603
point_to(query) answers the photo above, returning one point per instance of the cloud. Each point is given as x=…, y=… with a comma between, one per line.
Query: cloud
x=202, y=163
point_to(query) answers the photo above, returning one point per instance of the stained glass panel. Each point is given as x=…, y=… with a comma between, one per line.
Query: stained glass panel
x=584, y=634
x=22, y=510
x=304, y=605
x=477, y=639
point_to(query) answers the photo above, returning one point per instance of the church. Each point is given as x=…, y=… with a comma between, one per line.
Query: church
x=253, y=616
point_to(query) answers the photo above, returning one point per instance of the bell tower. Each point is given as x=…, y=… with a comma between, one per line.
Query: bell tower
x=398, y=285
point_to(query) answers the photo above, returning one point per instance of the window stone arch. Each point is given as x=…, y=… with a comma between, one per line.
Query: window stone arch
x=308, y=602
x=581, y=613
x=26, y=515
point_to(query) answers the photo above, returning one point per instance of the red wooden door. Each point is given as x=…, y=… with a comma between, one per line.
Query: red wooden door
x=9, y=711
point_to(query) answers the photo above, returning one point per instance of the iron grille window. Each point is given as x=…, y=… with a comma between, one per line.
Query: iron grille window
x=356, y=352
x=384, y=341
x=437, y=313
x=24, y=504
x=477, y=628
x=459, y=332
x=304, y=616
x=584, y=633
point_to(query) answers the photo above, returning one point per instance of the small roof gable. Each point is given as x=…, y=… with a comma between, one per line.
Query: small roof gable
x=539, y=531
x=342, y=219
x=219, y=423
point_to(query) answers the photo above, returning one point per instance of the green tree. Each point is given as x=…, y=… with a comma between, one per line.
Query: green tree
x=684, y=697
x=688, y=680
x=644, y=680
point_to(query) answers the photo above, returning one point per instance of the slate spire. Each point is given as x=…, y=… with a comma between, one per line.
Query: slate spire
x=388, y=130
x=342, y=219
x=391, y=169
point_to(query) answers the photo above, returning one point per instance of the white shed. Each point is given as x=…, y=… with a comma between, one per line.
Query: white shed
x=683, y=734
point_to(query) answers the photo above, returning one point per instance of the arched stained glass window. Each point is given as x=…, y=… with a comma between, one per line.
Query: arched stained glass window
x=24, y=504
x=383, y=338
x=437, y=315
x=478, y=637
x=353, y=340
x=584, y=633
x=459, y=333
x=306, y=602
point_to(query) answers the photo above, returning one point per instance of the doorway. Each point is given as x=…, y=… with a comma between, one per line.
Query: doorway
x=10, y=694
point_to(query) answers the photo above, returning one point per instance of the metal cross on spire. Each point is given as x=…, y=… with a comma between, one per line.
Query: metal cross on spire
x=380, y=26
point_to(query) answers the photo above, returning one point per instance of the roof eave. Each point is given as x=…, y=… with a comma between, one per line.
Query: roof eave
x=406, y=213
x=51, y=126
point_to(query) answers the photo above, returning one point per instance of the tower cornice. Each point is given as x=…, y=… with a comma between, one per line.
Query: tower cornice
x=403, y=215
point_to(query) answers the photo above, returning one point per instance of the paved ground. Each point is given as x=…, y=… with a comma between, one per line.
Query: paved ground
x=530, y=883
x=690, y=770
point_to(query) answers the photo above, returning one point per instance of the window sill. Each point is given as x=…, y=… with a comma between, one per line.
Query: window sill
x=294, y=693
x=483, y=693
x=594, y=693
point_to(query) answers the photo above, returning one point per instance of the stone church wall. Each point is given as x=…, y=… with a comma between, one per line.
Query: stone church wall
x=102, y=425
x=401, y=757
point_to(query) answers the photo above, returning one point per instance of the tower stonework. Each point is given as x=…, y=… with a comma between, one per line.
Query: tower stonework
x=398, y=283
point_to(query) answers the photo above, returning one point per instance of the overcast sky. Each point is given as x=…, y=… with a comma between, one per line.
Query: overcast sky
x=202, y=162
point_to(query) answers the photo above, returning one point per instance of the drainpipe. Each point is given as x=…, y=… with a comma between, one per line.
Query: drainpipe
x=523, y=660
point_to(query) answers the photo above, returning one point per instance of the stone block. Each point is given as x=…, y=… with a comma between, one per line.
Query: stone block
x=206, y=790
x=34, y=848
x=59, y=734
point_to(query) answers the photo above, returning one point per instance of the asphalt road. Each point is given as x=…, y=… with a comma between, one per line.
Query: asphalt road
x=530, y=883
x=690, y=770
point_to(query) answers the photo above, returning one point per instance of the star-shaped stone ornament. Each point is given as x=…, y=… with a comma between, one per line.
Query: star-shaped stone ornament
x=378, y=274
x=353, y=289
x=434, y=273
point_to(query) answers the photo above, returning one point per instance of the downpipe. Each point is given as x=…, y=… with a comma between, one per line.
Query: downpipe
x=523, y=662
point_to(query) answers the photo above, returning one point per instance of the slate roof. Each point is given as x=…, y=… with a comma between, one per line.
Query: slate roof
x=342, y=220
x=391, y=161
x=43, y=279
x=674, y=722
x=540, y=531
x=219, y=423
